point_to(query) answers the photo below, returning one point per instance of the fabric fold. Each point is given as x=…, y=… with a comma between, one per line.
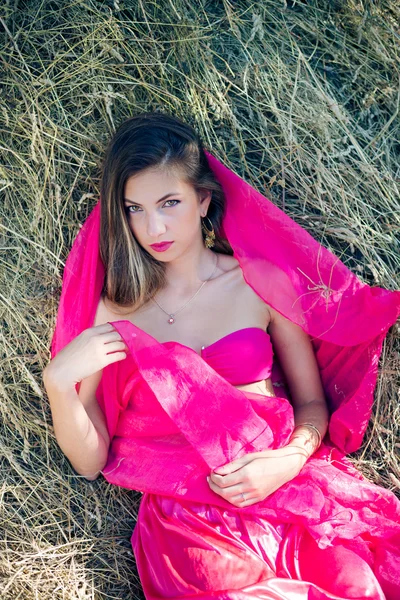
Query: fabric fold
x=329, y=498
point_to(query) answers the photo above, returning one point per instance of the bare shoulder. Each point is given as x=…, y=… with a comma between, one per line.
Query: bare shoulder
x=104, y=313
x=227, y=264
x=245, y=294
x=100, y=316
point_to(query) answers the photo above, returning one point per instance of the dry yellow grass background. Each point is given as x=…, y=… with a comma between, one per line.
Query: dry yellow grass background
x=300, y=98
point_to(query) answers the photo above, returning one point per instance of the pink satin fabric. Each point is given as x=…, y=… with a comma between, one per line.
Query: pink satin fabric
x=241, y=357
x=178, y=420
x=191, y=550
x=328, y=533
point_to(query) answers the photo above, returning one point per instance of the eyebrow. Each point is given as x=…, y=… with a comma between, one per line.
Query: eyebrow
x=160, y=200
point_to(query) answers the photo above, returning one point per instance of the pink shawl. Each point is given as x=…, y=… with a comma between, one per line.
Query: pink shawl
x=184, y=419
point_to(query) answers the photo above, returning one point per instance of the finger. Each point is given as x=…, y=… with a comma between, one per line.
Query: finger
x=222, y=491
x=214, y=487
x=111, y=336
x=247, y=502
x=237, y=463
x=240, y=474
x=235, y=499
x=224, y=481
x=228, y=492
x=114, y=346
x=104, y=327
x=115, y=357
x=231, y=467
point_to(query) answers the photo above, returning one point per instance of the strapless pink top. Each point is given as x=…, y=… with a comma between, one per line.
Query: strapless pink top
x=241, y=357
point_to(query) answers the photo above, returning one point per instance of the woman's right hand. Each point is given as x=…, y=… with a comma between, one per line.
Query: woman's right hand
x=93, y=349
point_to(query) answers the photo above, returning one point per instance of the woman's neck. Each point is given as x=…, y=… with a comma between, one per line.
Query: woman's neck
x=187, y=272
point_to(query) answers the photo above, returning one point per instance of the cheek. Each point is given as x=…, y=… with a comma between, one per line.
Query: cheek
x=130, y=223
x=190, y=218
x=134, y=226
x=134, y=220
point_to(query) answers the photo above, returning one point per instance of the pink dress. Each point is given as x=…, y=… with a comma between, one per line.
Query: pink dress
x=190, y=549
x=328, y=533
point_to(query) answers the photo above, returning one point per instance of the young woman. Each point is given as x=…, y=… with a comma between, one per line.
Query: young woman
x=203, y=342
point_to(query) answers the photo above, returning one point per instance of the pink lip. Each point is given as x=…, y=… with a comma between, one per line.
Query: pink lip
x=161, y=247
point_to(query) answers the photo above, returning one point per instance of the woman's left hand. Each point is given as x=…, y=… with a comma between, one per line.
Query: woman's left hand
x=256, y=475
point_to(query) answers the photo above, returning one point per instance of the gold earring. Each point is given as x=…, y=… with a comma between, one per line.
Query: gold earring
x=210, y=237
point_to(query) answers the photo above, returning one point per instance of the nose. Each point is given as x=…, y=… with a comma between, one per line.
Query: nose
x=155, y=225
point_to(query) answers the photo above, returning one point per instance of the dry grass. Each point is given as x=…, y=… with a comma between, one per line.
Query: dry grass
x=300, y=98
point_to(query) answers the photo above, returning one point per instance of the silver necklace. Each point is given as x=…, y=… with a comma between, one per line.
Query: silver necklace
x=172, y=315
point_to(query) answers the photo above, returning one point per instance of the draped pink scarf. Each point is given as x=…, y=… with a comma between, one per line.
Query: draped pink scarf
x=186, y=419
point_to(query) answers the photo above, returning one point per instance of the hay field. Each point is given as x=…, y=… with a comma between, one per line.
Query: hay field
x=300, y=98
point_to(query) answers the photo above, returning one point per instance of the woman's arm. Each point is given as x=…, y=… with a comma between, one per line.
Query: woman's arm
x=294, y=350
x=79, y=425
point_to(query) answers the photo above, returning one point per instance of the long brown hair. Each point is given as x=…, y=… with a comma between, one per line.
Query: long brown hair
x=148, y=140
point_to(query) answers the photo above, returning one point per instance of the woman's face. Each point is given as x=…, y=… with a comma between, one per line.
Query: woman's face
x=161, y=207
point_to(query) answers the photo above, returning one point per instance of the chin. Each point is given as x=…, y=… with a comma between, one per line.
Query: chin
x=161, y=259
x=159, y=256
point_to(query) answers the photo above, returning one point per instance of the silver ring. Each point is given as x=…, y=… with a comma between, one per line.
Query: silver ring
x=243, y=496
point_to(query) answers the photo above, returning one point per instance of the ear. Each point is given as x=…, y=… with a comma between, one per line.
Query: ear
x=205, y=199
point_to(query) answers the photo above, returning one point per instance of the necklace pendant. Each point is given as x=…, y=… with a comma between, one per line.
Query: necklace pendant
x=171, y=320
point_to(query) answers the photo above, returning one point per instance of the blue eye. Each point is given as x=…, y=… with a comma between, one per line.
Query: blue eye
x=128, y=208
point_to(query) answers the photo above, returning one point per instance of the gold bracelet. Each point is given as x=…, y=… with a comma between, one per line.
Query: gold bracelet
x=312, y=426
